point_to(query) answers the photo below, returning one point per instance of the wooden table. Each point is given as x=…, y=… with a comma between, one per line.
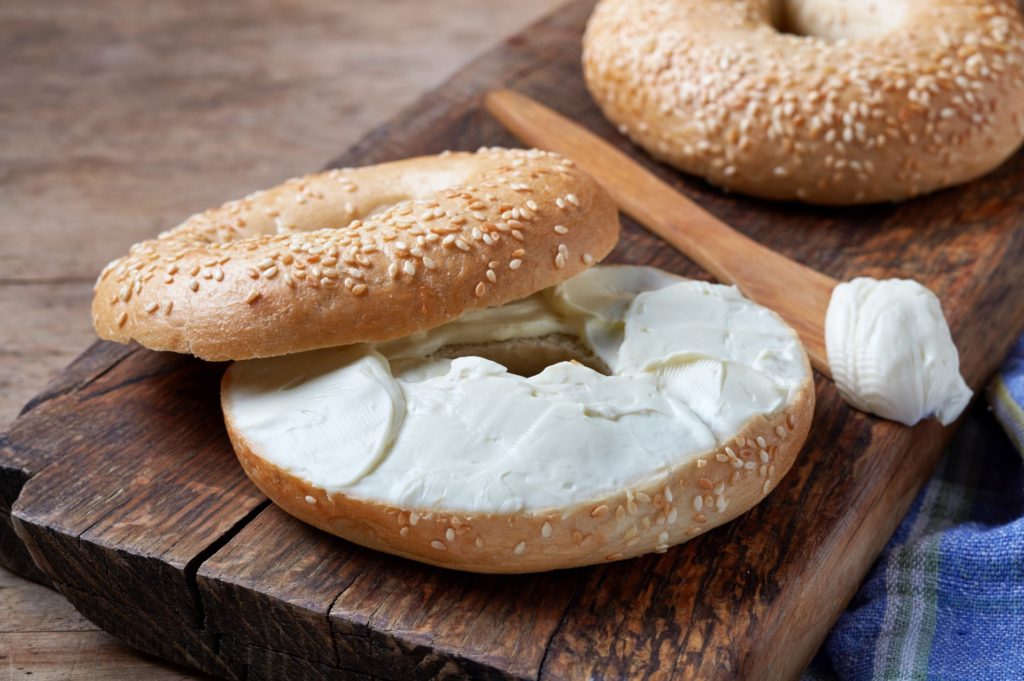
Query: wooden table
x=122, y=118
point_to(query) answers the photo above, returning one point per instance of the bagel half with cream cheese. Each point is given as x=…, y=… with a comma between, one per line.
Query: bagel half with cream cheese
x=679, y=405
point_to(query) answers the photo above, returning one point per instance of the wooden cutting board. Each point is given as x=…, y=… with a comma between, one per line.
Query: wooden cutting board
x=118, y=485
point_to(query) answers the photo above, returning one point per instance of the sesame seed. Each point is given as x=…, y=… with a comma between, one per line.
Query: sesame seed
x=449, y=534
x=520, y=547
x=168, y=306
x=310, y=500
x=122, y=319
x=478, y=542
x=193, y=284
x=545, y=530
x=359, y=289
x=599, y=511
x=409, y=267
x=491, y=276
x=439, y=545
x=698, y=503
x=152, y=307
x=663, y=538
x=515, y=264
x=559, y=261
x=561, y=229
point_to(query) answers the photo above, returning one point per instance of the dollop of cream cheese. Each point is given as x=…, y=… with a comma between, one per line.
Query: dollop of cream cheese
x=891, y=352
x=690, y=363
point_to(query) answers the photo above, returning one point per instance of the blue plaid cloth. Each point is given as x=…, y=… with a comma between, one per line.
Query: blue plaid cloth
x=946, y=598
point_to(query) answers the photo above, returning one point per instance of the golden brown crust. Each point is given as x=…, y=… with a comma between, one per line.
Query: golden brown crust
x=654, y=515
x=910, y=103
x=357, y=255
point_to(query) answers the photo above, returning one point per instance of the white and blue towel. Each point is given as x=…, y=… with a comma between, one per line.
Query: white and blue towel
x=946, y=598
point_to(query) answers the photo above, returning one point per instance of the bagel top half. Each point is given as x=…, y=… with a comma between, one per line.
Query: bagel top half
x=358, y=255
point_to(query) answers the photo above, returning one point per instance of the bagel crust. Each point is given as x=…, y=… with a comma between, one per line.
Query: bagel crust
x=358, y=255
x=874, y=102
x=651, y=516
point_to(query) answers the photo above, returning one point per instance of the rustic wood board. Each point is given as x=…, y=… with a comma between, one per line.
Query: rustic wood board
x=120, y=482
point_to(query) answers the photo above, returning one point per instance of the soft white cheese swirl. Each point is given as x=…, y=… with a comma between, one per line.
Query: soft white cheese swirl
x=891, y=352
x=691, y=363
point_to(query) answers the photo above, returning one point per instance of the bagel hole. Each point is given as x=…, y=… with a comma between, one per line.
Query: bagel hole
x=528, y=357
x=835, y=20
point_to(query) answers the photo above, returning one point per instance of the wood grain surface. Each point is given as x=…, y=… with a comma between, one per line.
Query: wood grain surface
x=164, y=543
x=119, y=120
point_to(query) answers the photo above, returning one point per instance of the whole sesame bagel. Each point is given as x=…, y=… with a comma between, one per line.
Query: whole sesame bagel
x=825, y=101
x=619, y=413
x=357, y=255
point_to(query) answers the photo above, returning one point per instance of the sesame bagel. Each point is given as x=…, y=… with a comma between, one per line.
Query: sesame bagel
x=663, y=407
x=817, y=100
x=358, y=255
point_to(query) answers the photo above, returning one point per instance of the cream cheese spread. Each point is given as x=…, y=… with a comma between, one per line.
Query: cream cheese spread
x=690, y=362
x=891, y=352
